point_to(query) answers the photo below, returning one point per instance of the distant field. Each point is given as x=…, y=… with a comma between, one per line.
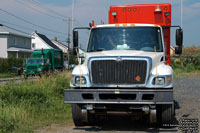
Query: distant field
x=191, y=51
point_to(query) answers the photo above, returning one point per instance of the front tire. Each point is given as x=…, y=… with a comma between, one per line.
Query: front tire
x=77, y=115
x=166, y=115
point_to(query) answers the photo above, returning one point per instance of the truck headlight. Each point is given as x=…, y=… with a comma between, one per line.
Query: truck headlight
x=80, y=80
x=158, y=81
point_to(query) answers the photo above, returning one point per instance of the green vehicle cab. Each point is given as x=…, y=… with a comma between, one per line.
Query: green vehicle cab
x=44, y=61
x=36, y=66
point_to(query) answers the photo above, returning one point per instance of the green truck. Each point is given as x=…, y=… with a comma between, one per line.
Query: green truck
x=44, y=61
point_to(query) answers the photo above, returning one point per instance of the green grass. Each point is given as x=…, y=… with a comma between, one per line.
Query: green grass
x=6, y=75
x=30, y=105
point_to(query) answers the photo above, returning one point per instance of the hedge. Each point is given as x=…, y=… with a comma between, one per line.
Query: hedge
x=6, y=64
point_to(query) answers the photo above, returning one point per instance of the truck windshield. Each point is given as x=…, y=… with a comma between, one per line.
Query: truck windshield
x=126, y=38
x=35, y=61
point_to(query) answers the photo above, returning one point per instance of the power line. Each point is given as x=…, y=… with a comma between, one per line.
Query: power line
x=5, y=22
x=35, y=9
x=44, y=7
x=31, y=23
x=18, y=30
x=17, y=25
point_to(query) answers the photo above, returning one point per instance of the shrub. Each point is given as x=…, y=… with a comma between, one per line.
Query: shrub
x=7, y=63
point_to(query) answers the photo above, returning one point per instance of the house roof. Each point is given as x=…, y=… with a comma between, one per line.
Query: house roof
x=45, y=39
x=63, y=47
x=10, y=31
x=59, y=43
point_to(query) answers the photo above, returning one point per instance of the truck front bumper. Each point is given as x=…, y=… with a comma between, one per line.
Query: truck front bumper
x=119, y=96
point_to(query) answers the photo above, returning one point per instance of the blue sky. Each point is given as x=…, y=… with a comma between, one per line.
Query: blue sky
x=55, y=2
x=52, y=13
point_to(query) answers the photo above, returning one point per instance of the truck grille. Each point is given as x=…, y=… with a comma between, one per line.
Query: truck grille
x=32, y=68
x=119, y=72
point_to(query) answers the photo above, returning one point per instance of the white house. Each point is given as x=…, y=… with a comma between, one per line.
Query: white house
x=14, y=43
x=63, y=47
x=40, y=41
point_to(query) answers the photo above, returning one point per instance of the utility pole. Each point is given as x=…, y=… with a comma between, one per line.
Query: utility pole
x=69, y=20
x=68, y=41
x=72, y=13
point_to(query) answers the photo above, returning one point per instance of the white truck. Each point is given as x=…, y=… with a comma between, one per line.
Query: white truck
x=125, y=71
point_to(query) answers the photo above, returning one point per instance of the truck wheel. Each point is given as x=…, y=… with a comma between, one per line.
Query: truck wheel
x=166, y=115
x=25, y=76
x=91, y=120
x=77, y=115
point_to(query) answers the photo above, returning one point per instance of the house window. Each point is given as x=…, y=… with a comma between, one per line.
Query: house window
x=25, y=42
x=33, y=45
x=14, y=41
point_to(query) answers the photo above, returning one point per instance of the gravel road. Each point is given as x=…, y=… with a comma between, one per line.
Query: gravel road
x=7, y=80
x=187, y=99
x=16, y=80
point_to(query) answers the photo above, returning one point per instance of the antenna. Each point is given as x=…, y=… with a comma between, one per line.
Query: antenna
x=156, y=67
x=182, y=13
x=79, y=65
x=72, y=14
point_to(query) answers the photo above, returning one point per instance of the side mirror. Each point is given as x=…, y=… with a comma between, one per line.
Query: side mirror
x=179, y=37
x=75, y=41
x=178, y=50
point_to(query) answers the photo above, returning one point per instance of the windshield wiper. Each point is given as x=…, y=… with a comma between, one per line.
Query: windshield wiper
x=100, y=49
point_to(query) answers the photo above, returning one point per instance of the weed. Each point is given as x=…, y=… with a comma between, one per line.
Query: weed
x=32, y=104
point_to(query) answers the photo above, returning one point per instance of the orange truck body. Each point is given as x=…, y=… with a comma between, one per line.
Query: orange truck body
x=158, y=14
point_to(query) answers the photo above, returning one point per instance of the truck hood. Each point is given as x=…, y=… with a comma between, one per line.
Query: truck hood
x=35, y=64
x=157, y=58
x=152, y=55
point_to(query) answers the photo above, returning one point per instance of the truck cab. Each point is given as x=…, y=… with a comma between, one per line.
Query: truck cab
x=36, y=66
x=126, y=71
